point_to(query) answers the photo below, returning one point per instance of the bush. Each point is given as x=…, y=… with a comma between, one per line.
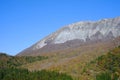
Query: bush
x=104, y=76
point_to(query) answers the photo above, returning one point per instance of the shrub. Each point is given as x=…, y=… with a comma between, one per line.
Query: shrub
x=103, y=76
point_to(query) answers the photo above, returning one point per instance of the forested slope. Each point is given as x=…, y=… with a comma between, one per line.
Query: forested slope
x=10, y=70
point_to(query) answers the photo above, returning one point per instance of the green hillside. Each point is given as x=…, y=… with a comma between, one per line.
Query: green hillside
x=16, y=61
x=105, y=67
x=24, y=74
x=109, y=65
x=10, y=69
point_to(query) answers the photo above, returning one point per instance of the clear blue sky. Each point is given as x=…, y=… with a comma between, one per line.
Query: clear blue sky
x=24, y=22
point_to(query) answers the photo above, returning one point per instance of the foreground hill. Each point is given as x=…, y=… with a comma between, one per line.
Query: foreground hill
x=12, y=61
x=104, y=67
x=10, y=69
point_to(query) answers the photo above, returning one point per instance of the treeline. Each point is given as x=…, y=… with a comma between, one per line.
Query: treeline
x=15, y=61
x=109, y=65
x=24, y=74
x=10, y=70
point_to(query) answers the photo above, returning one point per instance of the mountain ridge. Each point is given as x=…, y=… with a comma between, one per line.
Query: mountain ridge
x=102, y=30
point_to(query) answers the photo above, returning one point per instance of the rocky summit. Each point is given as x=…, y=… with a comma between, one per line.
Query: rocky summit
x=76, y=35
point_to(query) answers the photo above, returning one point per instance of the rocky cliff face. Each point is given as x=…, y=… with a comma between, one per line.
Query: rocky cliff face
x=78, y=33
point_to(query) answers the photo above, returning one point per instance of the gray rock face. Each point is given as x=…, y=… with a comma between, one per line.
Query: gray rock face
x=106, y=28
x=84, y=31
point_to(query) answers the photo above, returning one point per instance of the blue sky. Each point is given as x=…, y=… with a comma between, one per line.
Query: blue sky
x=24, y=22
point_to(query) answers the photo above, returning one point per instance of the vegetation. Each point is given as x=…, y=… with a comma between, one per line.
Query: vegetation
x=104, y=76
x=10, y=70
x=105, y=67
x=110, y=65
x=16, y=61
x=24, y=74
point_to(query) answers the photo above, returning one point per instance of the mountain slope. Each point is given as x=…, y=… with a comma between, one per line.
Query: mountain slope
x=76, y=35
x=73, y=62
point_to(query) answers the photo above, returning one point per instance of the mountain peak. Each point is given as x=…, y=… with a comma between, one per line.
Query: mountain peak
x=84, y=31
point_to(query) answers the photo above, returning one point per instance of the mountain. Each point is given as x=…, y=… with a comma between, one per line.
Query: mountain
x=77, y=35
